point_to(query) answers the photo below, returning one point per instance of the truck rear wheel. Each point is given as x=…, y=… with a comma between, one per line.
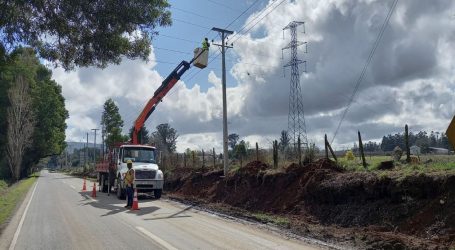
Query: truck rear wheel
x=103, y=183
x=157, y=193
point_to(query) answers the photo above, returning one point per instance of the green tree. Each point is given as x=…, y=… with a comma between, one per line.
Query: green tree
x=284, y=140
x=112, y=123
x=165, y=138
x=232, y=140
x=20, y=118
x=84, y=32
x=241, y=150
x=4, y=104
x=143, y=135
x=48, y=104
x=50, y=112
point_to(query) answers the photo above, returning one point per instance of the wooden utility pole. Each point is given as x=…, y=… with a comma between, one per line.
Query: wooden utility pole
x=94, y=146
x=86, y=152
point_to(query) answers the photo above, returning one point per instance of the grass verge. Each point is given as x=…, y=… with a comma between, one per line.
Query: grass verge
x=274, y=219
x=11, y=196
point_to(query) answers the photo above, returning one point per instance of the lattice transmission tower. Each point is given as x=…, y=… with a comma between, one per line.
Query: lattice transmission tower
x=296, y=117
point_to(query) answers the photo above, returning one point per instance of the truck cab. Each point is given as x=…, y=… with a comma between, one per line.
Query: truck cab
x=148, y=177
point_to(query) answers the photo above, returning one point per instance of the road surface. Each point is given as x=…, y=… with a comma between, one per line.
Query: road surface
x=58, y=215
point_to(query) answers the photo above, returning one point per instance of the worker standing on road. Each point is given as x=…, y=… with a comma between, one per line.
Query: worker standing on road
x=205, y=44
x=129, y=181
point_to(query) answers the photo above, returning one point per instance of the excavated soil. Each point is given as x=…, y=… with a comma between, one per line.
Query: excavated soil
x=368, y=210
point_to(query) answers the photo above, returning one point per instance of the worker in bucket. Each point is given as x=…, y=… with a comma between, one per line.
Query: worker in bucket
x=129, y=181
x=205, y=44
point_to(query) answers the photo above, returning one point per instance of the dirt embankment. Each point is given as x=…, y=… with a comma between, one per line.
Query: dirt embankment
x=321, y=200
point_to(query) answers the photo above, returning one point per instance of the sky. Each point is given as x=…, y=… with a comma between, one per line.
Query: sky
x=410, y=79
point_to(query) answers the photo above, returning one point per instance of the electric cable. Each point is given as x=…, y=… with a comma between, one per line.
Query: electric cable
x=365, y=67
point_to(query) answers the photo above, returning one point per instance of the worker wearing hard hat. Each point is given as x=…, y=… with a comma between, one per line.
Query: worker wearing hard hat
x=129, y=181
x=205, y=44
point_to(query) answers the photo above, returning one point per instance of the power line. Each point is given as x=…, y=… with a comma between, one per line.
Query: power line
x=178, y=38
x=173, y=50
x=363, y=72
x=197, y=72
x=192, y=13
x=241, y=14
x=224, y=5
x=244, y=26
x=194, y=24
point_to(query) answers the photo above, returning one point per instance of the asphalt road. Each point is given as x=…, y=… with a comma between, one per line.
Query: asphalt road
x=57, y=215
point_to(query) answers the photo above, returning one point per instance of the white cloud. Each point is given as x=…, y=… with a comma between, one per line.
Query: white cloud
x=410, y=80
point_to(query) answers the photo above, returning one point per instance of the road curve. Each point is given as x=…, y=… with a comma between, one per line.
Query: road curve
x=61, y=216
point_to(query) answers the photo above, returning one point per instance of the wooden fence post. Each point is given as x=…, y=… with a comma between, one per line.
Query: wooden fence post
x=203, y=159
x=364, y=163
x=257, y=152
x=299, y=148
x=275, y=154
x=406, y=139
x=194, y=160
x=326, y=148
x=214, y=158
x=327, y=145
x=184, y=160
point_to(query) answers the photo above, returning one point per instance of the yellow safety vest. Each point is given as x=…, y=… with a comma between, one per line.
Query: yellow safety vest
x=129, y=177
x=205, y=45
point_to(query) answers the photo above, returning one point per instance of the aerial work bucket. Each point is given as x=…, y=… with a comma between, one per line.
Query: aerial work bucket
x=200, y=60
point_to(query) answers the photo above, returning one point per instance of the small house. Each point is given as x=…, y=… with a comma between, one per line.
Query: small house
x=415, y=150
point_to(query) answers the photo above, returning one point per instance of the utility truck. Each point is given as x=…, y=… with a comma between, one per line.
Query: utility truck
x=148, y=176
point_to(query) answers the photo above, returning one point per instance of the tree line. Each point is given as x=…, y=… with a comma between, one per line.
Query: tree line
x=164, y=137
x=421, y=139
x=32, y=113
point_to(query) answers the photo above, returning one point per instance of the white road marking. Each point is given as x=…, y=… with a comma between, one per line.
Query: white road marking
x=156, y=239
x=18, y=230
x=73, y=187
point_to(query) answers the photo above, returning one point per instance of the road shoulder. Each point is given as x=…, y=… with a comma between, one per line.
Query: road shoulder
x=7, y=234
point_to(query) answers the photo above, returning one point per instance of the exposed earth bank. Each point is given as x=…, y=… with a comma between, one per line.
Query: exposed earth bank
x=372, y=210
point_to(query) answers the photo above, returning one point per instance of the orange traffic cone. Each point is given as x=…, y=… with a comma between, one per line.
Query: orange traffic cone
x=135, y=202
x=83, y=187
x=94, y=190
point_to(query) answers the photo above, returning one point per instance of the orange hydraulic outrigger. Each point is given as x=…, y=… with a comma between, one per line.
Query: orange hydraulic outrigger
x=166, y=85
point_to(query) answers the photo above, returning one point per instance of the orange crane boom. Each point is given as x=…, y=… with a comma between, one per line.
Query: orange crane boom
x=166, y=85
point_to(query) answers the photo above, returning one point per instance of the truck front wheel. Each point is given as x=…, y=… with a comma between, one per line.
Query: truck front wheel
x=157, y=193
x=120, y=191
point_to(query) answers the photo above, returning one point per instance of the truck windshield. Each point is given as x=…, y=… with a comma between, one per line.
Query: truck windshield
x=137, y=154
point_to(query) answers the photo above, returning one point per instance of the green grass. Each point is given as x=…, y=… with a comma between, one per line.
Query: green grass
x=428, y=163
x=277, y=220
x=11, y=196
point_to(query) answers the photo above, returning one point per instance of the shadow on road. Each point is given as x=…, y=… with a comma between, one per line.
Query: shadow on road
x=175, y=215
x=143, y=210
x=112, y=204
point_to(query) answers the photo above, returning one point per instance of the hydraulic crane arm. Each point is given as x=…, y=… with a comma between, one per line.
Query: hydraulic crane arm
x=166, y=85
